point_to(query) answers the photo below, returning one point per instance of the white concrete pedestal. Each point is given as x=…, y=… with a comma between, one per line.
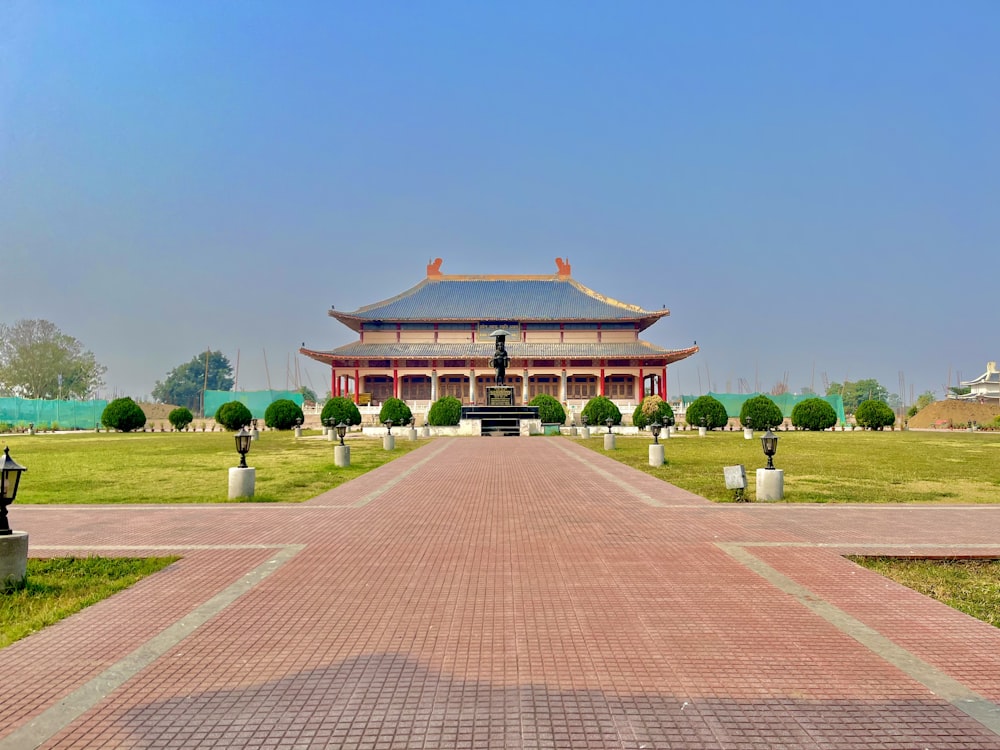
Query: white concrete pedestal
x=331, y=435
x=254, y=435
x=342, y=456
x=585, y=433
x=13, y=560
x=572, y=431
x=702, y=431
x=389, y=442
x=241, y=482
x=412, y=433
x=425, y=432
x=747, y=433
x=609, y=441
x=298, y=432
x=656, y=455
x=770, y=484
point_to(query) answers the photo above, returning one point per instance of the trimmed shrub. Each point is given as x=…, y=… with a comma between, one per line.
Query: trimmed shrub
x=875, y=415
x=445, y=412
x=761, y=413
x=550, y=411
x=233, y=415
x=710, y=408
x=124, y=415
x=341, y=409
x=599, y=408
x=396, y=410
x=814, y=414
x=652, y=409
x=180, y=418
x=281, y=414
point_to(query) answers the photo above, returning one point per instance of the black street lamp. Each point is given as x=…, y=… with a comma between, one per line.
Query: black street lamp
x=243, y=446
x=585, y=419
x=655, y=428
x=388, y=426
x=609, y=421
x=10, y=477
x=769, y=442
x=341, y=431
x=298, y=421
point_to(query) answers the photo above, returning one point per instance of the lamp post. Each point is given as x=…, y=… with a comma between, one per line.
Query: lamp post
x=656, y=450
x=242, y=477
x=585, y=431
x=609, y=438
x=341, y=453
x=13, y=544
x=10, y=478
x=770, y=481
x=254, y=434
x=703, y=428
x=389, y=441
x=298, y=427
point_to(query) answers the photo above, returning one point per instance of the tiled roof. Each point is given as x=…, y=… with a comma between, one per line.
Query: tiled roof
x=474, y=298
x=357, y=350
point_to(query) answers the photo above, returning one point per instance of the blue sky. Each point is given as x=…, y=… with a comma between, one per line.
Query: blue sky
x=811, y=188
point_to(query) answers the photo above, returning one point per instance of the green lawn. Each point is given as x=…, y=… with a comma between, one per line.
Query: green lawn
x=183, y=467
x=832, y=467
x=970, y=586
x=59, y=587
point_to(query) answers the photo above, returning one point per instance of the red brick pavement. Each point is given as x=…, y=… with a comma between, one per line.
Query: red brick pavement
x=520, y=593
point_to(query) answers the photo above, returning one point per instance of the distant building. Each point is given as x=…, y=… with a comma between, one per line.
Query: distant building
x=433, y=340
x=984, y=388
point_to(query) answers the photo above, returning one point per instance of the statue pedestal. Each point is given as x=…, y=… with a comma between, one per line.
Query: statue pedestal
x=499, y=395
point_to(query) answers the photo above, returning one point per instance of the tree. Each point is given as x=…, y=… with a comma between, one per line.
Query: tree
x=283, y=414
x=124, y=415
x=184, y=384
x=599, y=409
x=341, y=409
x=760, y=413
x=233, y=415
x=874, y=415
x=853, y=393
x=180, y=418
x=446, y=411
x=550, y=411
x=396, y=410
x=924, y=399
x=308, y=394
x=710, y=408
x=652, y=409
x=814, y=414
x=37, y=360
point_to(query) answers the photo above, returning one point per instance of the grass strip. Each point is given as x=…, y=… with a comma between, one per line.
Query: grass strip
x=830, y=467
x=59, y=587
x=183, y=467
x=970, y=586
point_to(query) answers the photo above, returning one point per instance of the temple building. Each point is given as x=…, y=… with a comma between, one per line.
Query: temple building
x=433, y=340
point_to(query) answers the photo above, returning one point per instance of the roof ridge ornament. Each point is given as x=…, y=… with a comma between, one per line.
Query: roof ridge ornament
x=563, y=265
x=434, y=269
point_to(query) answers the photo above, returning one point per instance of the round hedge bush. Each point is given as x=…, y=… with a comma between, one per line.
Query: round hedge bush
x=445, y=412
x=761, y=413
x=711, y=409
x=550, y=411
x=652, y=409
x=875, y=415
x=124, y=415
x=180, y=418
x=281, y=414
x=341, y=409
x=599, y=408
x=233, y=415
x=396, y=410
x=814, y=414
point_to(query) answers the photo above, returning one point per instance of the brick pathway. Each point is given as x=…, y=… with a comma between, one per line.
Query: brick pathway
x=519, y=593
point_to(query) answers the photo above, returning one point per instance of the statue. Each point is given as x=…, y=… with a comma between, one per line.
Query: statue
x=500, y=360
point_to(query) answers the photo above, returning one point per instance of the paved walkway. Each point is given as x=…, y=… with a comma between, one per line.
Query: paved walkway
x=520, y=593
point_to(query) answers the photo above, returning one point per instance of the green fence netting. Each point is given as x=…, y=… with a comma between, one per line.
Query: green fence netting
x=256, y=401
x=786, y=402
x=50, y=414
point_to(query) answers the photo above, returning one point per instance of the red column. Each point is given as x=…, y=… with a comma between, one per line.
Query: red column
x=642, y=387
x=663, y=385
x=357, y=387
x=602, y=382
x=333, y=381
x=395, y=382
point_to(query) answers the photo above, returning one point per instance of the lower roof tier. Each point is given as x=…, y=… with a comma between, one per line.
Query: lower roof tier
x=517, y=351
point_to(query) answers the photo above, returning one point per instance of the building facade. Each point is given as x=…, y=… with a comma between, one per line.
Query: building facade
x=433, y=340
